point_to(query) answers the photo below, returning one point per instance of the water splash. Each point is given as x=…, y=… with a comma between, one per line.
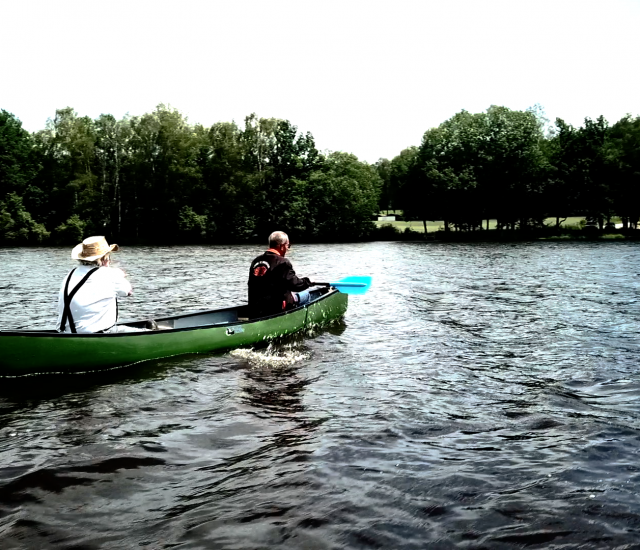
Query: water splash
x=274, y=356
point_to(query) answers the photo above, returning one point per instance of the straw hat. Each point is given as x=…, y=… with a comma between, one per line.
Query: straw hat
x=93, y=248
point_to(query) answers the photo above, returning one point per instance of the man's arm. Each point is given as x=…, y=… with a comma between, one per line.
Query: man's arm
x=294, y=282
x=121, y=284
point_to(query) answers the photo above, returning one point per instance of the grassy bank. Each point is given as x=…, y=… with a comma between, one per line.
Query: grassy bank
x=571, y=229
x=433, y=226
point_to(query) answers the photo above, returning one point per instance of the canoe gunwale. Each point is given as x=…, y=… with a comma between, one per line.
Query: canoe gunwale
x=232, y=323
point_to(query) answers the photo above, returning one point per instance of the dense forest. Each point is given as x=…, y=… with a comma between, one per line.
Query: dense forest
x=156, y=178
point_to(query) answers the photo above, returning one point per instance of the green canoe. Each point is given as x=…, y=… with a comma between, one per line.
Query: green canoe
x=27, y=352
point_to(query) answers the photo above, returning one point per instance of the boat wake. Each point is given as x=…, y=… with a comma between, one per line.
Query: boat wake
x=274, y=356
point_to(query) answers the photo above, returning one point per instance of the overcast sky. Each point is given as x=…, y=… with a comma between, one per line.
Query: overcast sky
x=367, y=77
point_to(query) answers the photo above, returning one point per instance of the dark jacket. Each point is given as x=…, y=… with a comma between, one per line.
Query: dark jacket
x=271, y=281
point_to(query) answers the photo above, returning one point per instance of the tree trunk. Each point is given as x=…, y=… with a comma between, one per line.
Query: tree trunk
x=116, y=185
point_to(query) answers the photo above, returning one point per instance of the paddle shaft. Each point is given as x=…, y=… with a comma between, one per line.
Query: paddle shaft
x=350, y=285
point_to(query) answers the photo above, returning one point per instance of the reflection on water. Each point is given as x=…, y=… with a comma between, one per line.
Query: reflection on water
x=275, y=393
x=479, y=396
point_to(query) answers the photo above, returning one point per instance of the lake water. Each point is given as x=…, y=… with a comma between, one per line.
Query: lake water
x=478, y=396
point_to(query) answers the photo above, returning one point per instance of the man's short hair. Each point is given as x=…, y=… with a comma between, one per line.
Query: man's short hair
x=277, y=238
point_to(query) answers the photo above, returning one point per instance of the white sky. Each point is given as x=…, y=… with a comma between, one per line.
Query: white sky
x=367, y=77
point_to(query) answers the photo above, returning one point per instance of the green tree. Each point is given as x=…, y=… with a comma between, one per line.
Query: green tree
x=414, y=185
x=192, y=227
x=479, y=165
x=112, y=158
x=509, y=178
x=387, y=195
x=227, y=193
x=16, y=224
x=72, y=231
x=343, y=198
x=277, y=161
x=258, y=147
x=561, y=193
x=66, y=149
x=17, y=167
x=583, y=170
x=622, y=152
x=161, y=173
x=444, y=178
x=295, y=159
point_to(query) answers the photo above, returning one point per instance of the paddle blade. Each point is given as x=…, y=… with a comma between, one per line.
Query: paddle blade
x=353, y=285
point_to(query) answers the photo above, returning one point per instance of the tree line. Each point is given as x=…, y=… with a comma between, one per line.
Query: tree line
x=515, y=168
x=157, y=178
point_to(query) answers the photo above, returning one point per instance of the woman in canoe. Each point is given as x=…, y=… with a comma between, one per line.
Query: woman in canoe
x=87, y=302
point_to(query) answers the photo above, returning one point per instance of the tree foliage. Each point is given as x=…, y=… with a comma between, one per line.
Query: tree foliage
x=500, y=164
x=16, y=155
x=343, y=195
x=159, y=178
x=16, y=224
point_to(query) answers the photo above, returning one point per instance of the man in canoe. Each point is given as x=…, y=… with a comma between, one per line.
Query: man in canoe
x=87, y=300
x=273, y=284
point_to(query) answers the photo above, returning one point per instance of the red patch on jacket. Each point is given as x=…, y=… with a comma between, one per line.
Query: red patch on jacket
x=260, y=271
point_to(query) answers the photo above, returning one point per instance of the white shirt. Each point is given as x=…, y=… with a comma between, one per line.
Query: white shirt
x=94, y=306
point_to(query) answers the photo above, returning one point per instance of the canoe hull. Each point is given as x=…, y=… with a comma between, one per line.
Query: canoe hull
x=39, y=352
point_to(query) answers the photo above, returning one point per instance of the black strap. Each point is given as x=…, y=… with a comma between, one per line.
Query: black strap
x=114, y=324
x=66, y=312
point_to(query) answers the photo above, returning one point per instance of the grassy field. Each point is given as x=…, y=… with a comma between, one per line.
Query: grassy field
x=438, y=225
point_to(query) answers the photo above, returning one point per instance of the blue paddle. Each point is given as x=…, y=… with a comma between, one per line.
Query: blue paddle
x=350, y=285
